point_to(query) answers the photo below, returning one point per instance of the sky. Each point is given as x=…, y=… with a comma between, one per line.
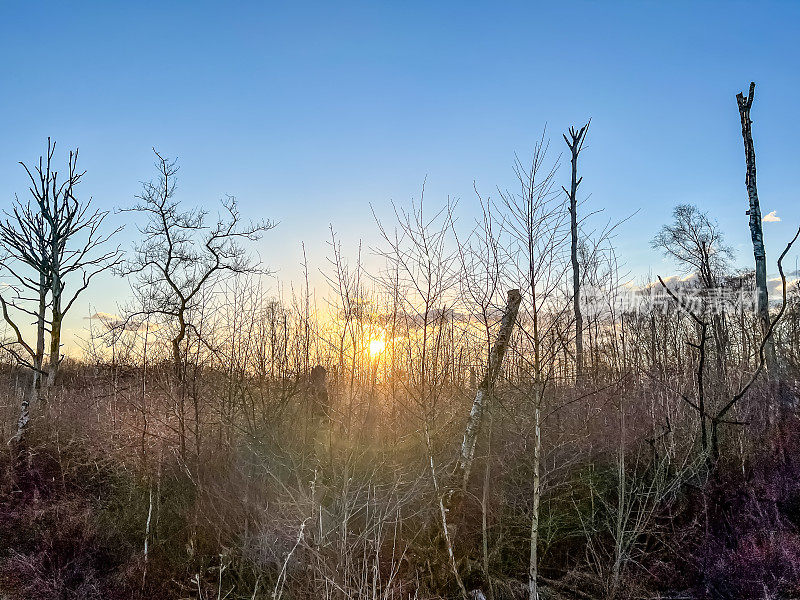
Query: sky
x=311, y=113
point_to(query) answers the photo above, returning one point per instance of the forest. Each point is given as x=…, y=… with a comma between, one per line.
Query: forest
x=495, y=413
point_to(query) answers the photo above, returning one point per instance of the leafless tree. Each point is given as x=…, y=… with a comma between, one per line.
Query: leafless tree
x=24, y=242
x=695, y=241
x=418, y=250
x=182, y=256
x=485, y=388
x=56, y=237
x=717, y=417
x=536, y=224
x=697, y=244
x=756, y=232
x=77, y=243
x=575, y=142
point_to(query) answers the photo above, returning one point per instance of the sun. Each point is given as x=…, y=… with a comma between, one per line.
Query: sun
x=376, y=346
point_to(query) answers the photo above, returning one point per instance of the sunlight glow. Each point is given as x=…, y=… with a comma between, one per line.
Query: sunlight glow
x=376, y=346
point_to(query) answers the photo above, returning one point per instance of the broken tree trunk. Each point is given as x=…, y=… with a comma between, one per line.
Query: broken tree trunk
x=575, y=144
x=485, y=388
x=756, y=232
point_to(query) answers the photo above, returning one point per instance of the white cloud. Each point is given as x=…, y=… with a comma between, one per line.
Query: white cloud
x=771, y=217
x=672, y=281
x=775, y=286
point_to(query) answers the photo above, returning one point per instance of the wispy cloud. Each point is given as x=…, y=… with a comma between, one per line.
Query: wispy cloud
x=104, y=316
x=112, y=321
x=771, y=217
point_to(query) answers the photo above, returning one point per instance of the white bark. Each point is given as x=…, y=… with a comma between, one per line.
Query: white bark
x=485, y=388
x=533, y=565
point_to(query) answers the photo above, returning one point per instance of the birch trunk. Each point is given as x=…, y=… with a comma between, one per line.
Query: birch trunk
x=533, y=564
x=485, y=388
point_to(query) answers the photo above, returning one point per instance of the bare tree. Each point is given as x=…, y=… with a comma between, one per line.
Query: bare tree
x=24, y=243
x=182, y=256
x=756, y=231
x=418, y=251
x=718, y=417
x=575, y=144
x=697, y=244
x=536, y=223
x=77, y=243
x=55, y=237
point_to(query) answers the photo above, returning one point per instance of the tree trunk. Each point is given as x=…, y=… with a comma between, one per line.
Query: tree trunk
x=756, y=232
x=31, y=397
x=55, y=349
x=485, y=388
x=575, y=144
x=38, y=360
x=533, y=564
x=56, y=289
x=179, y=382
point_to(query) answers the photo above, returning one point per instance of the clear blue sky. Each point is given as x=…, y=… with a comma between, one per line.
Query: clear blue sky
x=309, y=112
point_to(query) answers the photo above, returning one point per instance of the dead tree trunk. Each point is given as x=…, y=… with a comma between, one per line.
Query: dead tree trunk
x=756, y=233
x=485, y=388
x=575, y=144
x=55, y=331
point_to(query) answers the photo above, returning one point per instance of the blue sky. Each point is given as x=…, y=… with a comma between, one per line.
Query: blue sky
x=309, y=112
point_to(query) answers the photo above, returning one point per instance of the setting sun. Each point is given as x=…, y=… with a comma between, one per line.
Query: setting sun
x=376, y=347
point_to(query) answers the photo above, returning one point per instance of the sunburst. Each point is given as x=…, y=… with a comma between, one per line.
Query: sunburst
x=377, y=346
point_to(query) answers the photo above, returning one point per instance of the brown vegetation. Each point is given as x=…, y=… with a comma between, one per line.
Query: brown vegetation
x=429, y=431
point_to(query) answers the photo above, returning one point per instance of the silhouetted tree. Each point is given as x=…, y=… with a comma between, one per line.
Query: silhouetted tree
x=182, y=256
x=575, y=144
x=55, y=237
